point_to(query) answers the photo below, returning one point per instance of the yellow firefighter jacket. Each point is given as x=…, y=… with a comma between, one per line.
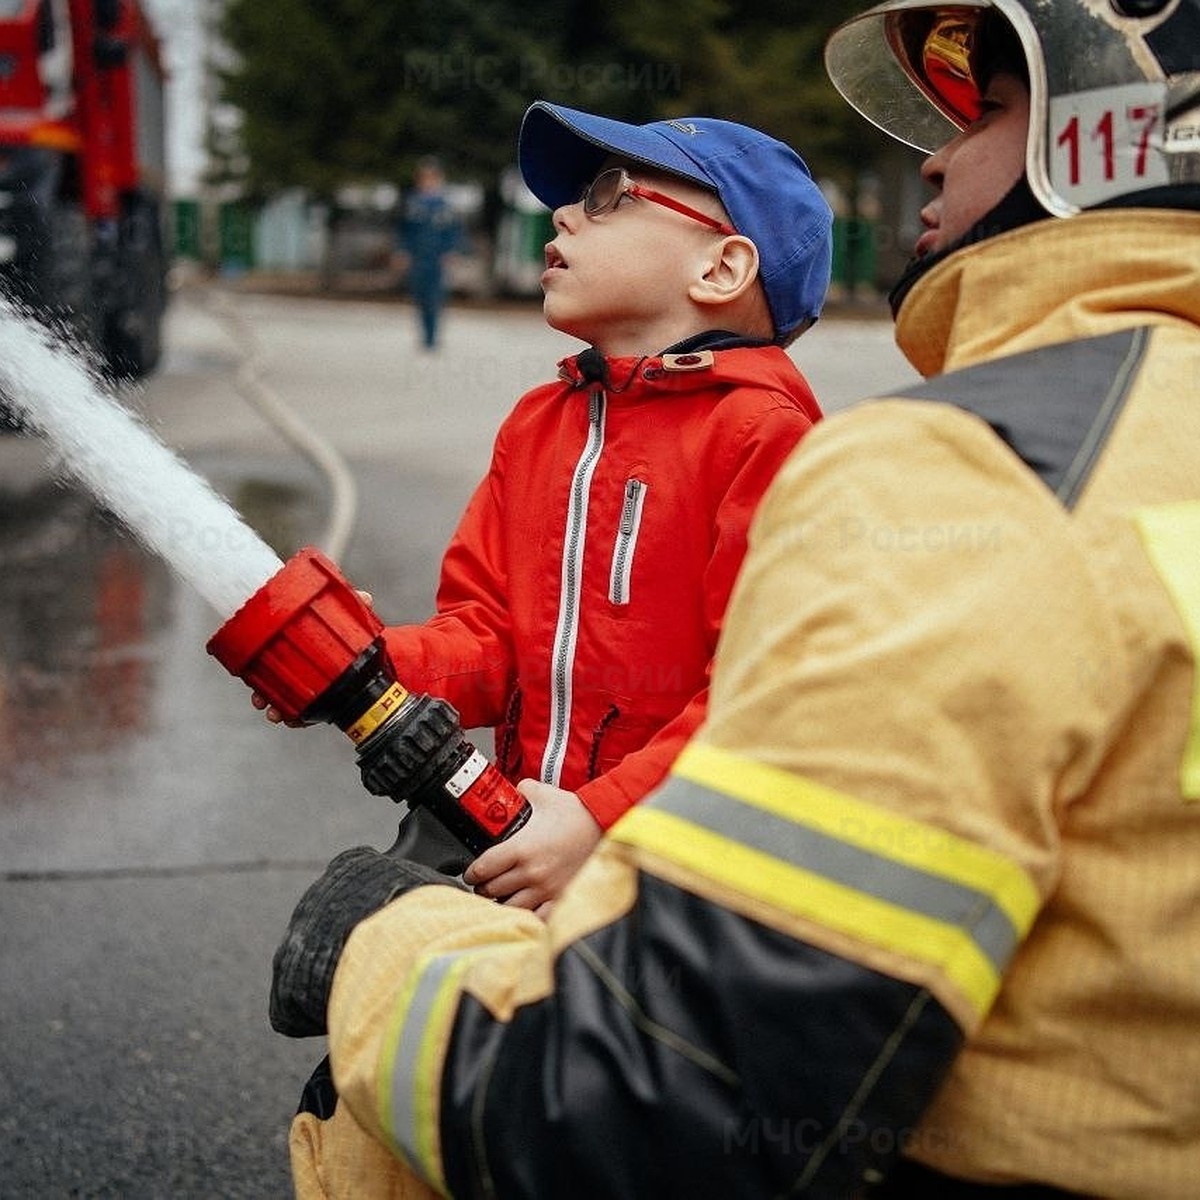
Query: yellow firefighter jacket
x=928, y=879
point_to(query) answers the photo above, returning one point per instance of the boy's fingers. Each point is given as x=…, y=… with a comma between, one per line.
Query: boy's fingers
x=501, y=885
x=525, y=898
x=266, y=707
x=491, y=864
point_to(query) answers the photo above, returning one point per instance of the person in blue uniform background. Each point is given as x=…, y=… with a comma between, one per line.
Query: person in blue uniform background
x=429, y=231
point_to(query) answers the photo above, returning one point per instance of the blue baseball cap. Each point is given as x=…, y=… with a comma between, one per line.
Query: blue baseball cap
x=764, y=185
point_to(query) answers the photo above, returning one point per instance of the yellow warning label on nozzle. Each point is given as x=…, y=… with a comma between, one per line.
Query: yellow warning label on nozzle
x=377, y=713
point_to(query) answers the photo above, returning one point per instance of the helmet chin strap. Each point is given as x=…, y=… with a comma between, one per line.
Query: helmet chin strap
x=1018, y=207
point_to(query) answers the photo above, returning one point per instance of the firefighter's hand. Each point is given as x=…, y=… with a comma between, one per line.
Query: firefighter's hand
x=269, y=710
x=532, y=867
x=355, y=884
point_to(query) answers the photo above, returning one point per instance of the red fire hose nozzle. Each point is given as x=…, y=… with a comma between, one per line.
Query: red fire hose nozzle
x=314, y=650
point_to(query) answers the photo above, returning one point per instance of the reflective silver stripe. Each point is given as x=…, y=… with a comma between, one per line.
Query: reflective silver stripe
x=562, y=660
x=851, y=866
x=410, y=1134
x=626, y=543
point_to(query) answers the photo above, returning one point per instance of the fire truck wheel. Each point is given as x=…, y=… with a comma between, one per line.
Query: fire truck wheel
x=133, y=329
x=66, y=284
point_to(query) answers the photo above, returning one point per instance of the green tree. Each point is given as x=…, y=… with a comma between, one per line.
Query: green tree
x=337, y=91
x=757, y=62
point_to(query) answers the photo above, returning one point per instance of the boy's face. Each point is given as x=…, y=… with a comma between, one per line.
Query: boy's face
x=619, y=280
x=974, y=171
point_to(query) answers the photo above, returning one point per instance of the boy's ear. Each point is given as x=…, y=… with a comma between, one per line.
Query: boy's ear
x=728, y=272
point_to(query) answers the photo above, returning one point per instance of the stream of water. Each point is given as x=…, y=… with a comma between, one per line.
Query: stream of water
x=103, y=446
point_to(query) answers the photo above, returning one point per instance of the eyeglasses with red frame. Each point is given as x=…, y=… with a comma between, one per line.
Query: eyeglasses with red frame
x=604, y=193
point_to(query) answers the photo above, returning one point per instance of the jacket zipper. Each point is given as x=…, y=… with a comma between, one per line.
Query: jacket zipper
x=567, y=629
x=627, y=532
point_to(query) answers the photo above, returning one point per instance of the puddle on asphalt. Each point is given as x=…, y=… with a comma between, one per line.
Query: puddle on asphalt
x=123, y=744
x=80, y=605
x=87, y=616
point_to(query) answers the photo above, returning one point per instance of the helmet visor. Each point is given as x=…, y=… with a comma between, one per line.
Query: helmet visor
x=1112, y=85
x=909, y=69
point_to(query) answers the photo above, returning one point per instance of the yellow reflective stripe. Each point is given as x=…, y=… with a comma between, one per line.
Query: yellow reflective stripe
x=804, y=894
x=1171, y=535
x=409, y=1083
x=840, y=863
x=873, y=829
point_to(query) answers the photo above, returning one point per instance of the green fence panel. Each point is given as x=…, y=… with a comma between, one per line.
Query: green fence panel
x=188, y=241
x=236, y=236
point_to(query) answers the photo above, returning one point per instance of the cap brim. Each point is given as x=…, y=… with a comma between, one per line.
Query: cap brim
x=560, y=150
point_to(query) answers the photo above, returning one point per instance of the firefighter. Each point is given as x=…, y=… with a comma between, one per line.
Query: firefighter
x=917, y=910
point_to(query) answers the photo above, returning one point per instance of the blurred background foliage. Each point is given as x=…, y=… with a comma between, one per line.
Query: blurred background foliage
x=341, y=91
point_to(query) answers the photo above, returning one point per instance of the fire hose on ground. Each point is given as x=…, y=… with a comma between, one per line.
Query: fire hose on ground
x=249, y=382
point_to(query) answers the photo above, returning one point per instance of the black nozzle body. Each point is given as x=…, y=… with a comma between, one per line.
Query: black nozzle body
x=415, y=751
x=344, y=701
x=413, y=754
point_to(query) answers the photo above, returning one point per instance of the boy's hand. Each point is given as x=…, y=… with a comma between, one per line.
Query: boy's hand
x=532, y=867
x=269, y=710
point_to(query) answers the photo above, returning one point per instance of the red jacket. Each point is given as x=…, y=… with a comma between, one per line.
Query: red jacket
x=581, y=596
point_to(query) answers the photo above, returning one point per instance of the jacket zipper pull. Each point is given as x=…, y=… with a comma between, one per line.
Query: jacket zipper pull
x=632, y=488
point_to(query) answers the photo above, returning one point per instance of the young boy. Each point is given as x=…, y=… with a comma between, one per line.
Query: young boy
x=581, y=597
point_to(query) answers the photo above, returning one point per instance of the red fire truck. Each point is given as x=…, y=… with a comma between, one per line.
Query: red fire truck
x=82, y=156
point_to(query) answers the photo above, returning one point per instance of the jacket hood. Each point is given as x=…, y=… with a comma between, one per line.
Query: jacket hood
x=1110, y=269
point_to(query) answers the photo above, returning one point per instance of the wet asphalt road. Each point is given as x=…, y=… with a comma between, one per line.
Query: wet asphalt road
x=154, y=831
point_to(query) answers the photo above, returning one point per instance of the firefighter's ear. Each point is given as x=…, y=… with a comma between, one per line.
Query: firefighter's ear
x=726, y=271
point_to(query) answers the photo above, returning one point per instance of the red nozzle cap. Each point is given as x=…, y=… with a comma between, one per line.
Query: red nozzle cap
x=297, y=634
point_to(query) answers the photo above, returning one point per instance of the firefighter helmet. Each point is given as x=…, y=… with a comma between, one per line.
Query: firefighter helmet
x=1114, y=85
